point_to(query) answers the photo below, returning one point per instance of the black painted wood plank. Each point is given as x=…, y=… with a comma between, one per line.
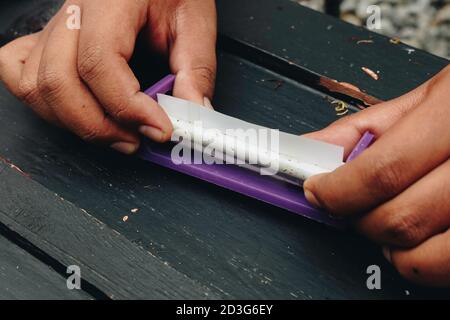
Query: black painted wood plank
x=238, y=247
x=301, y=39
x=118, y=268
x=22, y=276
x=232, y=244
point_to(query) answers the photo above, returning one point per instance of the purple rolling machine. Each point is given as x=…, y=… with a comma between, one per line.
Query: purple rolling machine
x=264, y=188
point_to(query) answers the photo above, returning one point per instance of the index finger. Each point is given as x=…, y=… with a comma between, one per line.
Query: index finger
x=106, y=44
x=193, y=52
x=409, y=150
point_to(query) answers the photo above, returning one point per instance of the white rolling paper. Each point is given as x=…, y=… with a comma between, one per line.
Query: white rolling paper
x=292, y=155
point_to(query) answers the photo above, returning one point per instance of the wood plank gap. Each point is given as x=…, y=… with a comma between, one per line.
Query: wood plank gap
x=290, y=70
x=48, y=260
x=68, y=234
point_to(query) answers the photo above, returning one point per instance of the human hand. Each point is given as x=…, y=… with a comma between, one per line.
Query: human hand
x=80, y=79
x=398, y=191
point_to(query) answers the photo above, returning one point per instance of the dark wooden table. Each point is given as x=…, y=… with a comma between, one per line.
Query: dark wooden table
x=190, y=239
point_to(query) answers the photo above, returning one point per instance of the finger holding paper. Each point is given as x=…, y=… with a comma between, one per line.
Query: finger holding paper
x=398, y=159
x=397, y=192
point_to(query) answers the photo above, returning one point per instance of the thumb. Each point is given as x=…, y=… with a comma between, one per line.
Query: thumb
x=193, y=51
x=378, y=119
x=332, y=190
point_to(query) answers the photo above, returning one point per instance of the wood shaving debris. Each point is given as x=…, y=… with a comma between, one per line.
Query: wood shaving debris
x=125, y=219
x=14, y=167
x=350, y=86
x=395, y=41
x=134, y=210
x=371, y=73
x=364, y=41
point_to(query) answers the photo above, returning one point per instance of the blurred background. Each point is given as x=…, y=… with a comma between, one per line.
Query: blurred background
x=423, y=24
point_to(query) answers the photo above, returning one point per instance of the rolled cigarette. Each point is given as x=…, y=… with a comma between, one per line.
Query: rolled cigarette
x=244, y=152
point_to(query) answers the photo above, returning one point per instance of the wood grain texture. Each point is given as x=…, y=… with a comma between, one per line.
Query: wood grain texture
x=301, y=39
x=235, y=246
x=114, y=265
x=22, y=276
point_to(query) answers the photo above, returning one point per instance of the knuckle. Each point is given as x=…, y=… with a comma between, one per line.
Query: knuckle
x=402, y=229
x=50, y=83
x=27, y=91
x=95, y=132
x=90, y=63
x=121, y=110
x=384, y=176
x=92, y=134
x=207, y=75
x=208, y=72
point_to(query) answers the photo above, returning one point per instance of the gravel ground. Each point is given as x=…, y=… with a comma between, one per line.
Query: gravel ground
x=421, y=23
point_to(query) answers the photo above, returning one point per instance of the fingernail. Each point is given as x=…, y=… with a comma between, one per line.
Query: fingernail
x=125, y=147
x=312, y=198
x=153, y=133
x=387, y=254
x=207, y=103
